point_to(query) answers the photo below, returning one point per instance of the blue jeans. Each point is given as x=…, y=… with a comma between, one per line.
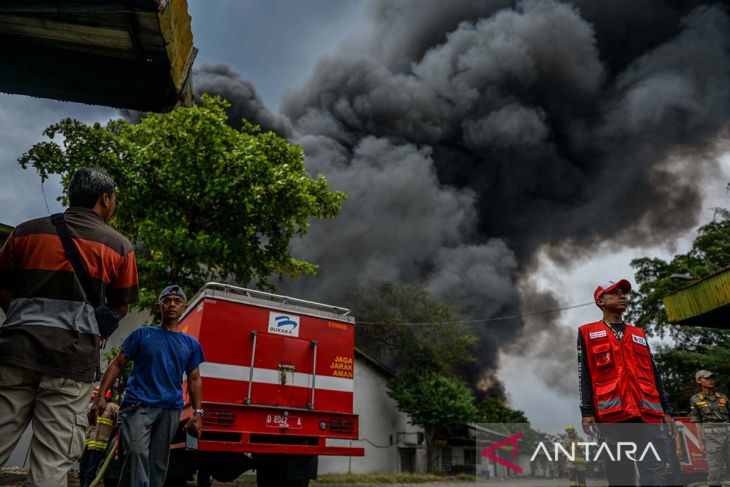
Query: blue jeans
x=146, y=434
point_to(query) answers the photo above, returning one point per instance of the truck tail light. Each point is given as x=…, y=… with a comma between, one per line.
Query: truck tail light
x=342, y=426
x=218, y=418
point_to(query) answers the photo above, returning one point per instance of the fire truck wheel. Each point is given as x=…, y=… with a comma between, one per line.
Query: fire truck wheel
x=222, y=474
x=266, y=479
x=274, y=479
x=278, y=470
x=179, y=469
x=203, y=479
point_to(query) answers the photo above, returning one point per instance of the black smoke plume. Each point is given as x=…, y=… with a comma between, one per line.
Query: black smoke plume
x=472, y=134
x=245, y=101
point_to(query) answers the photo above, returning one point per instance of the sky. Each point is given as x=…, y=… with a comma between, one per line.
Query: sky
x=274, y=44
x=277, y=45
x=575, y=284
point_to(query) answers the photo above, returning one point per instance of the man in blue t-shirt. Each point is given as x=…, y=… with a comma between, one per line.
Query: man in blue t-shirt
x=150, y=411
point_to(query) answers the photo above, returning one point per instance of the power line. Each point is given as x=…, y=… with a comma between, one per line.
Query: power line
x=481, y=320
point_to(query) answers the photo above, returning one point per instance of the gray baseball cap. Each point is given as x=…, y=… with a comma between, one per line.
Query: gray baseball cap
x=703, y=374
x=173, y=290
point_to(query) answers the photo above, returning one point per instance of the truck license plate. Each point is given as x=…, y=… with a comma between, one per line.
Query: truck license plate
x=279, y=421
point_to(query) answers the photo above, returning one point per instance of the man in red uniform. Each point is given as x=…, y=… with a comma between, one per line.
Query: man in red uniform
x=620, y=387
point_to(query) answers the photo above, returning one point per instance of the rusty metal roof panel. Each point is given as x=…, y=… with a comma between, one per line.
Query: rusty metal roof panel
x=177, y=34
x=134, y=54
x=705, y=302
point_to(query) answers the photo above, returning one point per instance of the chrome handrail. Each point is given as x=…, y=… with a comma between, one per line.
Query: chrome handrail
x=253, y=293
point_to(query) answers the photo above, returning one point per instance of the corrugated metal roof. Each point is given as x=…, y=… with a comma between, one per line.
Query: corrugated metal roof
x=705, y=302
x=129, y=54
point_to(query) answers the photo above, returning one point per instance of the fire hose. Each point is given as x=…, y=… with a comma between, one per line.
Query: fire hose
x=112, y=450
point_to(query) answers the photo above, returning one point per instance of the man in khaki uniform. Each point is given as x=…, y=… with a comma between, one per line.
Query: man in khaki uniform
x=712, y=409
x=576, y=470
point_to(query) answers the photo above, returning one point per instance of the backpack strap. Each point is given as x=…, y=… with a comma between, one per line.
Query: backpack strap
x=74, y=257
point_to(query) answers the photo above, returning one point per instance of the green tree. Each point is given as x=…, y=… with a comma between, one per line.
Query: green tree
x=501, y=418
x=199, y=199
x=693, y=347
x=493, y=410
x=387, y=311
x=657, y=278
x=434, y=402
x=678, y=367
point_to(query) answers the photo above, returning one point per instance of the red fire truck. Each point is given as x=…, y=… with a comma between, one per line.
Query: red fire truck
x=692, y=458
x=278, y=387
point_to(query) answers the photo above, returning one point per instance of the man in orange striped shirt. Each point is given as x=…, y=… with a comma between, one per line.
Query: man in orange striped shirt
x=49, y=342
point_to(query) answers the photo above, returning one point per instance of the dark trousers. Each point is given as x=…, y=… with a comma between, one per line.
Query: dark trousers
x=89, y=464
x=621, y=472
x=675, y=476
x=577, y=477
x=146, y=433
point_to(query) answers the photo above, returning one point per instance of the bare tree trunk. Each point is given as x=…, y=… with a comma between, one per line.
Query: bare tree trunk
x=430, y=433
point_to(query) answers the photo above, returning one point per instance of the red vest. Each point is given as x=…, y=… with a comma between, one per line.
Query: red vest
x=622, y=374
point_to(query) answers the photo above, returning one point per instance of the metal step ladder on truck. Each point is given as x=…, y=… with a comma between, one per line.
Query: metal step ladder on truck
x=278, y=386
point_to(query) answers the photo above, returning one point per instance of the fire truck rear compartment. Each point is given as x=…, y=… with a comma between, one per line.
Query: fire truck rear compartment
x=278, y=384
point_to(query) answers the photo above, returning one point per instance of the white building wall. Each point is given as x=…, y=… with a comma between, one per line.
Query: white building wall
x=380, y=422
x=488, y=468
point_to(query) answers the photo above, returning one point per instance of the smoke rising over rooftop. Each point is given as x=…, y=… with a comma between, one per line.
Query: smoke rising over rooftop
x=469, y=135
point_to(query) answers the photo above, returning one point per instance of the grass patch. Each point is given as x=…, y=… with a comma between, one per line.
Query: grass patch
x=388, y=478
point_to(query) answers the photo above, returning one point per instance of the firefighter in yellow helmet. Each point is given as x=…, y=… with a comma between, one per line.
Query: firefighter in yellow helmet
x=576, y=468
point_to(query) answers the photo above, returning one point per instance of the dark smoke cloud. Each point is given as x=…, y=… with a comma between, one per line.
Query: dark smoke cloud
x=404, y=31
x=221, y=80
x=246, y=104
x=553, y=346
x=469, y=135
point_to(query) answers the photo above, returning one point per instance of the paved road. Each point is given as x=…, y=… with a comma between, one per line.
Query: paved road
x=482, y=483
x=500, y=483
x=16, y=477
